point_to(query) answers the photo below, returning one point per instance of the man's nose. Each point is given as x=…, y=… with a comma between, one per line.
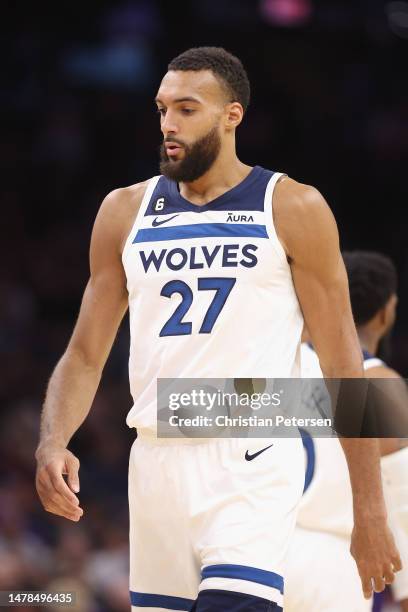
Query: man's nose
x=168, y=124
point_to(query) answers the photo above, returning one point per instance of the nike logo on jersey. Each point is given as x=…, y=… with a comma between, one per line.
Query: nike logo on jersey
x=156, y=223
x=249, y=457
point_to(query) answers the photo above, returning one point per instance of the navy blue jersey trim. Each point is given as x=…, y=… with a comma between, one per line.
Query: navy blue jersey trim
x=244, y=572
x=308, y=445
x=233, y=601
x=234, y=193
x=249, y=195
x=200, y=230
x=151, y=600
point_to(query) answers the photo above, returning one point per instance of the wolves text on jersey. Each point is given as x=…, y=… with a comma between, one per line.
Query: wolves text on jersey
x=226, y=255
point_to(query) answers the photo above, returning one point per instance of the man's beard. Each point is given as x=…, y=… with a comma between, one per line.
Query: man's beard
x=198, y=158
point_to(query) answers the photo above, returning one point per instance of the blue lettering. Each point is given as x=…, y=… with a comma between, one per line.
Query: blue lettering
x=152, y=258
x=209, y=258
x=252, y=258
x=227, y=254
x=183, y=261
x=193, y=264
x=178, y=258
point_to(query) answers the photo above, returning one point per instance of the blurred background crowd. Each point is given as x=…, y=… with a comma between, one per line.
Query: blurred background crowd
x=329, y=107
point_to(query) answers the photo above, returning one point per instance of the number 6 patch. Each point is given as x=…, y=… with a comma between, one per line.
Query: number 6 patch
x=159, y=204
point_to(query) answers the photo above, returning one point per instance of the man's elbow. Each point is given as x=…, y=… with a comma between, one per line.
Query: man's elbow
x=84, y=359
x=348, y=365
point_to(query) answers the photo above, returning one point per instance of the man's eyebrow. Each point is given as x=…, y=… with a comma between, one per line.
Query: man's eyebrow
x=177, y=100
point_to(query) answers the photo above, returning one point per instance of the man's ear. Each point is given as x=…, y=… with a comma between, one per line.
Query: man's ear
x=390, y=310
x=234, y=115
x=382, y=315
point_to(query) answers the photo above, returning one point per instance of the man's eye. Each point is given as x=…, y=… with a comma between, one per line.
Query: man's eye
x=161, y=111
x=187, y=111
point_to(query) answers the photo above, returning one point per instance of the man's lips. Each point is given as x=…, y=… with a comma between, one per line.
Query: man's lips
x=172, y=148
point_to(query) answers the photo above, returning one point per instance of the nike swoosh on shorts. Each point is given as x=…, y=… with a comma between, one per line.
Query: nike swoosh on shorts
x=249, y=457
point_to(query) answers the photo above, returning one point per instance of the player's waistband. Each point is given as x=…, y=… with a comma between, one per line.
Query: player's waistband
x=149, y=436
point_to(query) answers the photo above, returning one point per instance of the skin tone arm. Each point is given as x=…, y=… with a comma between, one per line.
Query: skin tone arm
x=308, y=233
x=74, y=382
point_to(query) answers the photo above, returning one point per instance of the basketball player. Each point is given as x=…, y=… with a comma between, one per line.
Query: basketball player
x=325, y=519
x=207, y=270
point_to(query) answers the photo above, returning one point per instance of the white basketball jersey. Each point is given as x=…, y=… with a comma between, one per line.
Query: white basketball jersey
x=210, y=291
x=327, y=503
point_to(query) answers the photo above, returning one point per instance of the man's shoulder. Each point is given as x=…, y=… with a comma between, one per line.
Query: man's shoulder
x=300, y=212
x=118, y=211
x=294, y=197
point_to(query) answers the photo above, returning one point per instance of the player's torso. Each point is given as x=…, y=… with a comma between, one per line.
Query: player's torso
x=326, y=504
x=210, y=289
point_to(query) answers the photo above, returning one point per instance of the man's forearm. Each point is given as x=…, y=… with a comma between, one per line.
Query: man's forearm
x=363, y=459
x=362, y=454
x=70, y=394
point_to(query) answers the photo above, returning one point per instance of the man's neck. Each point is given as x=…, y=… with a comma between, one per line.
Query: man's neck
x=368, y=341
x=223, y=175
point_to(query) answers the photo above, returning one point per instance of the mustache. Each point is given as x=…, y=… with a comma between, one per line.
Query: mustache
x=175, y=140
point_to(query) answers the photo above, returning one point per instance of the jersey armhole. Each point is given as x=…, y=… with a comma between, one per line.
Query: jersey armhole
x=268, y=210
x=140, y=214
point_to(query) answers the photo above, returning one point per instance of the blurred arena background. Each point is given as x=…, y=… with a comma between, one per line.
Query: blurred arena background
x=329, y=107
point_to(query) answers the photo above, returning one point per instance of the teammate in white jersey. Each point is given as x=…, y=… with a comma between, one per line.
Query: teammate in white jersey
x=216, y=286
x=325, y=518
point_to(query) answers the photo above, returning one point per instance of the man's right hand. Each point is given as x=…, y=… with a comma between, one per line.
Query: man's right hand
x=374, y=551
x=58, y=496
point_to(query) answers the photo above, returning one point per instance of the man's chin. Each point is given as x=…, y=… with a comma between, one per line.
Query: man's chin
x=171, y=169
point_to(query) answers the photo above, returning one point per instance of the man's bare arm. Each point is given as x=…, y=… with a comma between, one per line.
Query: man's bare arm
x=74, y=382
x=308, y=232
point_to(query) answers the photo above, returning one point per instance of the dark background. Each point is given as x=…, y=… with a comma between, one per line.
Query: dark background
x=329, y=107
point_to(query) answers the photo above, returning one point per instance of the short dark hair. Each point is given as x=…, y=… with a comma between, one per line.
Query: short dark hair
x=226, y=68
x=372, y=280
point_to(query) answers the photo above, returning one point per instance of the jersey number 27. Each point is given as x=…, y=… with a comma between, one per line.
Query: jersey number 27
x=175, y=326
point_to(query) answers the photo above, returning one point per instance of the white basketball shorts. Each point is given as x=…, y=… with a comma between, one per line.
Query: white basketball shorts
x=211, y=515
